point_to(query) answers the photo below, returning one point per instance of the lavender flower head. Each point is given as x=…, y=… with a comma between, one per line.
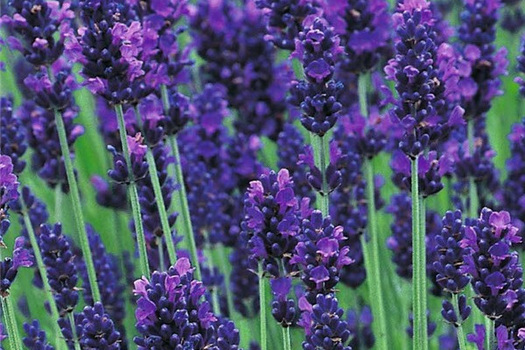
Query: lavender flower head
x=415, y=73
x=98, y=330
x=494, y=268
x=270, y=223
x=8, y=193
x=317, y=47
x=9, y=266
x=35, y=338
x=514, y=186
x=284, y=19
x=13, y=135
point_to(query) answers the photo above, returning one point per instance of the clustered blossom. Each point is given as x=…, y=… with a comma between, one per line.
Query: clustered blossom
x=271, y=223
x=137, y=153
x=170, y=314
x=9, y=266
x=60, y=267
x=12, y=134
x=8, y=193
x=324, y=324
x=35, y=338
x=319, y=255
x=416, y=76
x=360, y=327
x=98, y=330
x=364, y=28
x=283, y=308
x=284, y=19
x=317, y=47
x=478, y=32
x=495, y=271
x=238, y=57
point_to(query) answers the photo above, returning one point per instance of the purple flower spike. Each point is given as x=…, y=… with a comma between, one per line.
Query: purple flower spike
x=8, y=182
x=9, y=266
x=322, y=254
x=271, y=221
x=283, y=308
x=13, y=135
x=35, y=338
x=317, y=48
x=478, y=337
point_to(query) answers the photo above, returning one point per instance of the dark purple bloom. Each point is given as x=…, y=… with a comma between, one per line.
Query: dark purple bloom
x=318, y=96
x=37, y=24
x=494, y=268
x=271, y=220
x=170, y=314
x=324, y=325
x=478, y=32
x=450, y=254
x=61, y=270
x=364, y=27
x=12, y=134
x=244, y=282
x=237, y=56
x=8, y=183
x=319, y=255
x=285, y=18
x=449, y=313
x=416, y=75
x=35, y=338
x=98, y=330
x=137, y=152
x=9, y=266
x=283, y=308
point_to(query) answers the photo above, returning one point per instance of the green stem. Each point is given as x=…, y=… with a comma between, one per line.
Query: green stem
x=287, y=338
x=473, y=192
x=262, y=308
x=489, y=340
x=43, y=274
x=74, y=331
x=183, y=207
x=59, y=199
x=418, y=265
x=133, y=196
x=77, y=209
x=459, y=329
x=160, y=247
x=10, y=322
x=226, y=270
x=159, y=198
x=320, y=148
x=376, y=292
x=209, y=257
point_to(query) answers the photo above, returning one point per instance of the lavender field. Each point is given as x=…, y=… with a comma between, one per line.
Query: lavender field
x=262, y=174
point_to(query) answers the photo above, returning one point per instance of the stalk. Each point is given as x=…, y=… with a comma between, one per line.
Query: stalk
x=180, y=195
x=74, y=331
x=43, y=274
x=59, y=200
x=473, y=193
x=320, y=148
x=287, y=342
x=262, y=308
x=376, y=292
x=10, y=323
x=183, y=208
x=77, y=209
x=161, y=253
x=489, y=326
x=133, y=196
x=459, y=329
x=418, y=265
x=160, y=206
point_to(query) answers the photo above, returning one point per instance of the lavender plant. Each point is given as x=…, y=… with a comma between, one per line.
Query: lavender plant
x=213, y=175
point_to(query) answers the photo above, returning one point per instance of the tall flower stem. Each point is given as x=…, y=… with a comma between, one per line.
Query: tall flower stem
x=473, y=193
x=59, y=202
x=459, y=329
x=418, y=265
x=287, y=341
x=376, y=291
x=489, y=326
x=77, y=209
x=43, y=275
x=74, y=331
x=154, y=176
x=320, y=148
x=133, y=196
x=180, y=195
x=10, y=323
x=262, y=308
